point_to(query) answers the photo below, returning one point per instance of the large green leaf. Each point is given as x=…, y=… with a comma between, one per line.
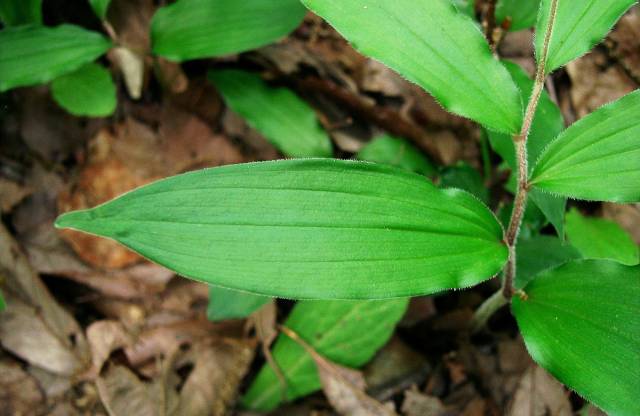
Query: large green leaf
x=596, y=158
x=539, y=253
x=581, y=321
x=579, y=26
x=232, y=304
x=306, y=228
x=397, y=152
x=20, y=12
x=434, y=45
x=36, y=54
x=87, y=91
x=547, y=124
x=597, y=238
x=348, y=333
x=191, y=29
x=281, y=116
x=522, y=14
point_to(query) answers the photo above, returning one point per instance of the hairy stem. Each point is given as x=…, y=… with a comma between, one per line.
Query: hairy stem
x=520, y=202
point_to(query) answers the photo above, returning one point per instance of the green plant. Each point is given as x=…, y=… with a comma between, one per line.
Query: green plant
x=334, y=229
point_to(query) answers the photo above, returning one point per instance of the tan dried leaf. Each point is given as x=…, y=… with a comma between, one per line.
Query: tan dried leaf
x=539, y=394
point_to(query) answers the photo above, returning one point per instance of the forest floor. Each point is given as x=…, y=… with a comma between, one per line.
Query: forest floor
x=91, y=327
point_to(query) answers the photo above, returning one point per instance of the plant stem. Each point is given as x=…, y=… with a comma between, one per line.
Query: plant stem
x=507, y=291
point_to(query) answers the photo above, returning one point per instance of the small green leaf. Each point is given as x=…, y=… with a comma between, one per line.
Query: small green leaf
x=87, y=91
x=100, y=8
x=540, y=253
x=232, y=304
x=3, y=304
x=306, y=228
x=390, y=150
x=434, y=45
x=465, y=177
x=192, y=29
x=522, y=14
x=596, y=158
x=581, y=322
x=547, y=124
x=21, y=12
x=579, y=26
x=287, y=121
x=597, y=238
x=37, y=54
x=348, y=333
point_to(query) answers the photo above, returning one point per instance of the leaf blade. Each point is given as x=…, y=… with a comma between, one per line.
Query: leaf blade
x=21, y=12
x=277, y=226
x=191, y=29
x=87, y=91
x=596, y=158
x=581, y=322
x=287, y=121
x=383, y=29
x=37, y=54
x=232, y=304
x=394, y=151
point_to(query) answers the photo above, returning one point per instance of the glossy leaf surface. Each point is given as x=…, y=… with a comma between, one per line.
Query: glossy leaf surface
x=579, y=26
x=20, y=12
x=540, y=253
x=581, y=322
x=431, y=43
x=87, y=91
x=521, y=14
x=287, y=121
x=36, y=54
x=191, y=29
x=597, y=238
x=596, y=158
x=232, y=304
x=306, y=228
x=394, y=151
x=348, y=333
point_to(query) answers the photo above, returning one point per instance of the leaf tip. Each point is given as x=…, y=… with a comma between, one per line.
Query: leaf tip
x=77, y=220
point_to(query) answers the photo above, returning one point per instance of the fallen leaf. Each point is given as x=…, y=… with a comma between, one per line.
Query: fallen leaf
x=123, y=393
x=416, y=403
x=624, y=42
x=20, y=393
x=11, y=193
x=539, y=394
x=104, y=337
x=171, y=75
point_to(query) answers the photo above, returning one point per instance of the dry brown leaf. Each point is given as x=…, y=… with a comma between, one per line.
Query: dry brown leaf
x=170, y=75
x=539, y=394
x=11, y=193
x=123, y=394
x=624, y=42
x=104, y=337
x=20, y=393
x=417, y=403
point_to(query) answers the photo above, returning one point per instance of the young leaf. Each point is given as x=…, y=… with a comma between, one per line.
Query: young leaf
x=281, y=116
x=581, y=322
x=597, y=238
x=232, y=304
x=306, y=228
x=464, y=176
x=434, y=45
x=191, y=29
x=87, y=91
x=598, y=157
x=100, y=8
x=397, y=152
x=21, y=12
x=522, y=14
x=348, y=333
x=547, y=124
x=579, y=26
x=37, y=54
x=540, y=253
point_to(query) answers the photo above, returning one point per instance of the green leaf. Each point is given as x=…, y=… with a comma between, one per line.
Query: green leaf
x=540, y=253
x=306, y=228
x=579, y=26
x=581, y=322
x=464, y=176
x=287, y=121
x=348, y=333
x=232, y=304
x=596, y=158
x=547, y=124
x=21, y=12
x=434, y=45
x=397, y=152
x=466, y=6
x=521, y=13
x=3, y=304
x=87, y=91
x=100, y=8
x=597, y=238
x=191, y=29
x=37, y=54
